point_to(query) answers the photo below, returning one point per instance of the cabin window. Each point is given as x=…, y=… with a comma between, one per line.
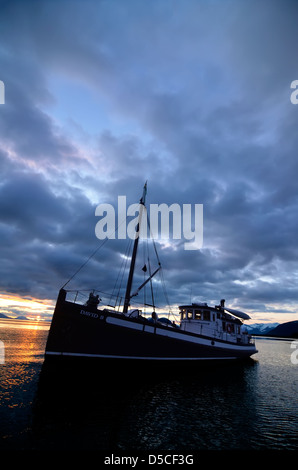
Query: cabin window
x=206, y=315
x=189, y=314
x=183, y=314
x=230, y=328
x=198, y=314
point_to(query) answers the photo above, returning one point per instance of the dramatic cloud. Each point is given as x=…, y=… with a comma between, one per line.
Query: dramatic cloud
x=194, y=97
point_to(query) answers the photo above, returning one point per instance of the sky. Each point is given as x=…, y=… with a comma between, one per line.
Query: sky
x=192, y=96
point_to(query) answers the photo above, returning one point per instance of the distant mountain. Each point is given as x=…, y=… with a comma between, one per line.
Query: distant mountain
x=20, y=317
x=260, y=328
x=285, y=330
x=23, y=317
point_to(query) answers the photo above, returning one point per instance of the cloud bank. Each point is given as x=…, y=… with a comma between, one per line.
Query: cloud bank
x=193, y=97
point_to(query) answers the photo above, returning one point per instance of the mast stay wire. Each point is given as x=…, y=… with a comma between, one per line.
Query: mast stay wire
x=161, y=270
x=103, y=243
x=93, y=254
x=121, y=272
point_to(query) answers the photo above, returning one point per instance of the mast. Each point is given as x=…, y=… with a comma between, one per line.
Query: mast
x=134, y=253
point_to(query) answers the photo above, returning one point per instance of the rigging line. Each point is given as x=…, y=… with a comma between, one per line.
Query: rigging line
x=153, y=240
x=151, y=286
x=165, y=291
x=161, y=271
x=84, y=264
x=145, y=249
x=92, y=254
x=122, y=267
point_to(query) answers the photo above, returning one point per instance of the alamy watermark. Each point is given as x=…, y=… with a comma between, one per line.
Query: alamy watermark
x=2, y=92
x=186, y=222
x=294, y=94
x=294, y=355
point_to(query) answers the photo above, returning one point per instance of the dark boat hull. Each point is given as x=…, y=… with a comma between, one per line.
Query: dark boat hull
x=78, y=331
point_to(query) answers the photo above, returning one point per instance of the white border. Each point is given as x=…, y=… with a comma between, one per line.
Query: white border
x=179, y=335
x=105, y=356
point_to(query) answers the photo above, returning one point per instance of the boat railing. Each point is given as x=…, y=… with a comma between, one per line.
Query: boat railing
x=241, y=338
x=81, y=297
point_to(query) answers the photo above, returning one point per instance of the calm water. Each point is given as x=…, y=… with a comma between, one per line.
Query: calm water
x=251, y=406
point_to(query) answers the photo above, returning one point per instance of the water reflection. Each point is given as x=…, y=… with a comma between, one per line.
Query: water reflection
x=18, y=376
x=227, y=406
x=78, y=406
x=21, y=344
x=276, y=388
x=24, y=324
x=213, y=409
x=87, y=408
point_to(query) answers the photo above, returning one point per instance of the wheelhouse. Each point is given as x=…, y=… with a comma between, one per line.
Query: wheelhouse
x=195, y=312
x=213, y=322
x=203, y=312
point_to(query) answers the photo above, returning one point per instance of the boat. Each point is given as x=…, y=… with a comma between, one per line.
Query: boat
x=127, y=335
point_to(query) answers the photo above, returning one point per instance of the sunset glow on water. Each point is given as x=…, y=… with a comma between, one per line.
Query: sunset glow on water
x=249, y=406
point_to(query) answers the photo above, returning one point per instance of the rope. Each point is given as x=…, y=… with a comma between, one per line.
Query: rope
x=84, y=264
x=93, y=254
